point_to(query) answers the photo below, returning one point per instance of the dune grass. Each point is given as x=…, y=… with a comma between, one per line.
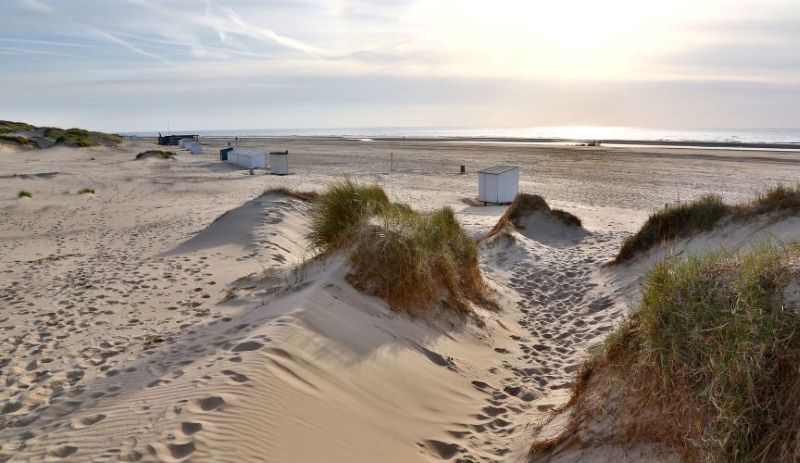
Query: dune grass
x=155, y=154
x=81, y=137
x=673, y=222
x=24, y=194
x=413, y=260
x=712, y=357
x=703, y=214
x=10, y=126
x=84, y=191
x=18, y=139
x=779, y=198
x=341, y=210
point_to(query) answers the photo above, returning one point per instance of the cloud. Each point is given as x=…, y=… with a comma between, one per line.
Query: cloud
x=113, y=39
x=36, y=5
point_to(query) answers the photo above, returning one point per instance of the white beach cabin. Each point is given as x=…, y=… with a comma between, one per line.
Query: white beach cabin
x=279, y=162
x=194, y=147
x=249, y=159
x=498, y=184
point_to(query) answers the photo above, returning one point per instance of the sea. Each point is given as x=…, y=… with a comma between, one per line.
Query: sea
x=722, y=138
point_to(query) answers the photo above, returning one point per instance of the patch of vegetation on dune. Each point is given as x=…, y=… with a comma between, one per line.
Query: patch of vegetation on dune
x=18, y=139
x=81, y=137
x=24, y=194
x=708, y=366
x=703, y=214
x=159, y=154
x=413, y=260
x=523, y=206
x=10, y=126
x=341, y=210
x=84, y=191
x=673, y=222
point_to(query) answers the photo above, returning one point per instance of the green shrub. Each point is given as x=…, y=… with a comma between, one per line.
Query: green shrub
x=24, y=194
x=675, y=221
x=86, y=190
x=342, y=209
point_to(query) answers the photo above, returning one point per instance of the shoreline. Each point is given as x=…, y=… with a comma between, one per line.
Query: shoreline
x=598, y=143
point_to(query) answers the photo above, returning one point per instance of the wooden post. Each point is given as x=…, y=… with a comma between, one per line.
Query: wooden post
x=391, y=162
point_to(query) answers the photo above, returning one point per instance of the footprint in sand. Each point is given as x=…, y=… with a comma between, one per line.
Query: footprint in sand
x=209, y=404
x=64, y=451
x=235, y=377
x=181, y=451
x=188, y=428
x=247, y=346
x=441, y=449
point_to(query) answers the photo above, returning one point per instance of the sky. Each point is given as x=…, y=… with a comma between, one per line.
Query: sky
x=145, y=65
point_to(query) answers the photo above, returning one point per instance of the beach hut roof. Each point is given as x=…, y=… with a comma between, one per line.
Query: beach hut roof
x=497, y=170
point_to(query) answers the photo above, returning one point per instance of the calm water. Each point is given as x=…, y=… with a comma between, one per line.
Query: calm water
x=562, y=133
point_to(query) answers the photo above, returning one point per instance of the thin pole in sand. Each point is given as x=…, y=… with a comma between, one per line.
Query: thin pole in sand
x=391, y=162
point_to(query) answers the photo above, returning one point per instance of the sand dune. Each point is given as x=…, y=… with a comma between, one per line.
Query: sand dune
x=177, y=315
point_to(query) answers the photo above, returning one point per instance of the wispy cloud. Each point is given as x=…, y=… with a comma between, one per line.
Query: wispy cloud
x=36, y=5
x=114, y=39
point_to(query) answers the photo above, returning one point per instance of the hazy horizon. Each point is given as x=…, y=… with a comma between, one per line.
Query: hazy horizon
x=138, y=65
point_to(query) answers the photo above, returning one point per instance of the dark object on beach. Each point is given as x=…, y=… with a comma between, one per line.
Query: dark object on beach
x=463, y=169
x=175, y=139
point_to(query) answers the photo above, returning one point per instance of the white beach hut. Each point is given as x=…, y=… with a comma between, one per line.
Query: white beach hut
x=279, y=162
x=498, y=184
x=194, y=147
x=249, y=159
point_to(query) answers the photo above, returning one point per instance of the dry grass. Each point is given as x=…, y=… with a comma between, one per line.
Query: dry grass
x=342, y=210
x=673, y=222
x=522, y=207
x=308, y=196
x=414, y=261
x=18, y=139
x=703, y=214
x=709, y=366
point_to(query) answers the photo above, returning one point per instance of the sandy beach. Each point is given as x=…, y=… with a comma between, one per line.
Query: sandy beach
x=176, y=313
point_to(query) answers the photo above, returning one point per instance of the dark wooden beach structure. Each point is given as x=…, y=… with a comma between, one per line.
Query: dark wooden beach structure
x=175, y=139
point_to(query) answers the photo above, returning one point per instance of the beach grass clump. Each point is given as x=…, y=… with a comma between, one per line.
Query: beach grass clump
x=159, y=154
x=341, y=210
x=710, y=363
x=779, y=198
x=18, y=139
x=10, y=126
x=24, y=194
x=416, y=260
x=413, y=260
x=673, y=222
x=84, y=191
x=81, y=137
